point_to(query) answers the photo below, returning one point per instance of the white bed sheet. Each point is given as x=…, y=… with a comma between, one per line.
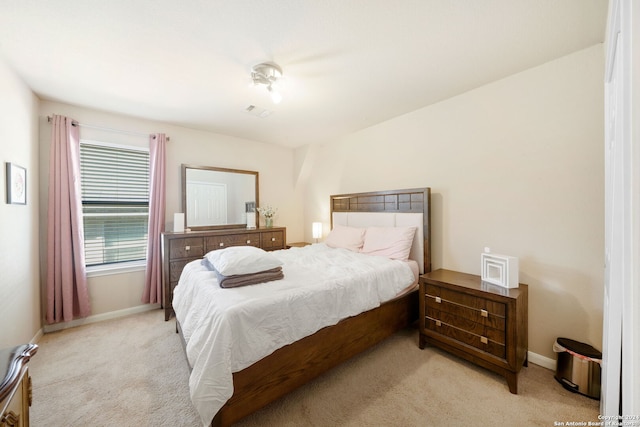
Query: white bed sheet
x=227, y=330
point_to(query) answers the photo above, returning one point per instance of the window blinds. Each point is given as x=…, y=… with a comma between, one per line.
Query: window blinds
x=115, y=202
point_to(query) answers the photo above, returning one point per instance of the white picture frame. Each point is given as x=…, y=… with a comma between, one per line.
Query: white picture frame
x=16, y=180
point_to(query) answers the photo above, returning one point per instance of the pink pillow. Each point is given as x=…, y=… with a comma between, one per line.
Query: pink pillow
x=390, y=242
x=351, y=238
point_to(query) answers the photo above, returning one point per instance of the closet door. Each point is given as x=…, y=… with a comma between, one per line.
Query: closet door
x=621, y=334
x=207, y=203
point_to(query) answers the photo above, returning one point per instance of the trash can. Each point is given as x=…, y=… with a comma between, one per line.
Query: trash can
x=578, y=368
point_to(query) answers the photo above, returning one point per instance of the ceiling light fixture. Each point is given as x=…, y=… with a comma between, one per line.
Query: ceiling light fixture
x=268, y=74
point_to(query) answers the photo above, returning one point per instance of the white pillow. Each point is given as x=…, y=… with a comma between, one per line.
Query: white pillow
x=351, y=238
x=390, y=242
x=242, y=260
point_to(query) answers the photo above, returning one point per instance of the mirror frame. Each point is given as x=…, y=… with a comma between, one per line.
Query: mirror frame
x=215, y=169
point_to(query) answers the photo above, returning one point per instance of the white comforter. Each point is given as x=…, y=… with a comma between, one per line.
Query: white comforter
x=227, y=330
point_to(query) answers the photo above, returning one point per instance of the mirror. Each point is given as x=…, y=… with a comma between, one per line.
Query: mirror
x=218, y=198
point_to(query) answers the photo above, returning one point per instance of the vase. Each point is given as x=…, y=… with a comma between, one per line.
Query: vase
x=268, y=222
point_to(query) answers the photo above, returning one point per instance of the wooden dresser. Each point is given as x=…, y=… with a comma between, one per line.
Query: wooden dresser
x=483, y=323
x=178, y=249
x=15, y=385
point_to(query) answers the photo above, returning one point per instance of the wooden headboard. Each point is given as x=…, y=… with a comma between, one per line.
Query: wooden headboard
x=415, y=200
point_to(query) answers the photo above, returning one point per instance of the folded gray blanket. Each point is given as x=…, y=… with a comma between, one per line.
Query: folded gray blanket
x=245, y=279
x=250, y=279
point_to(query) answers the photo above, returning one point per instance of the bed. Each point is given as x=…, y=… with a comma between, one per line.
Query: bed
x=294, y=364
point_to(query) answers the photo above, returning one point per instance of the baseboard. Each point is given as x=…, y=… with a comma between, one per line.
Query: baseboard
x=37, y=337
x=543, y=361
x=99, y=318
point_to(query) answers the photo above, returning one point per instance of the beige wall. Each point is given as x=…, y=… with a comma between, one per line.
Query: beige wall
x=19, y=289
x=275, y=166
x=517, y=166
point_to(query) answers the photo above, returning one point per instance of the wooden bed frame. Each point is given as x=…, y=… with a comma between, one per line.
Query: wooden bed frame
x=300, y=362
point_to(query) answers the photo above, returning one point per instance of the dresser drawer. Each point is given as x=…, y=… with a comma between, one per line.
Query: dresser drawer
x=189, y=247
x=16, y=410
x=15, y=385
x=273, y=240
x=175, y=269
x=221, y=242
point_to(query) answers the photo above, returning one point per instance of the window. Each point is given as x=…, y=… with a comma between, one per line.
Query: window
x=115, y=202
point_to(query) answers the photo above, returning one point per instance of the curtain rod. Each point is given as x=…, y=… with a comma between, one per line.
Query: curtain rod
x=75, y=123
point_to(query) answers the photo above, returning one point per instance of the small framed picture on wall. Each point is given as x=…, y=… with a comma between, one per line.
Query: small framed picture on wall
x=16, y=184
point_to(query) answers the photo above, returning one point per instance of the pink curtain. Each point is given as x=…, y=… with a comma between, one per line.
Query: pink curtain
x=67, y=293
x=153, y=277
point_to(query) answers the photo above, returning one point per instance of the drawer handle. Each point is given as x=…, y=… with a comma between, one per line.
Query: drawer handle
x=187, y=248
x=484, y=313
x=30, y=392
x=248, y=241
x=438, y=299
x=438, y=323
x=484, y=340
x=221, y=244
x=10, y=418
x=273, y=239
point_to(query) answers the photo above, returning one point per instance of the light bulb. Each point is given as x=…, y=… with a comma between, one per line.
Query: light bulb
x=275, y=96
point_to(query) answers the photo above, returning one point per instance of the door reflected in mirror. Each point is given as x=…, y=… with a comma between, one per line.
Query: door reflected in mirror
x=218, y=197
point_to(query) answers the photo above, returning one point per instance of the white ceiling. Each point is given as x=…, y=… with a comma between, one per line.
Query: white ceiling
x=348, y=64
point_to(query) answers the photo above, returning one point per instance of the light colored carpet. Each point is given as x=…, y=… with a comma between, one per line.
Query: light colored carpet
x=133, y=372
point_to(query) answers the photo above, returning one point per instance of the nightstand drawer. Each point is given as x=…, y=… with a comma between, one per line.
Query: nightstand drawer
x=466, y=324
x=466, y=300
x=478, y=341
x=467, y=307
x=190, y=247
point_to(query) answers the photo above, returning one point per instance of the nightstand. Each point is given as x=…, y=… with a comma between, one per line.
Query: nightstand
x=483, y=323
